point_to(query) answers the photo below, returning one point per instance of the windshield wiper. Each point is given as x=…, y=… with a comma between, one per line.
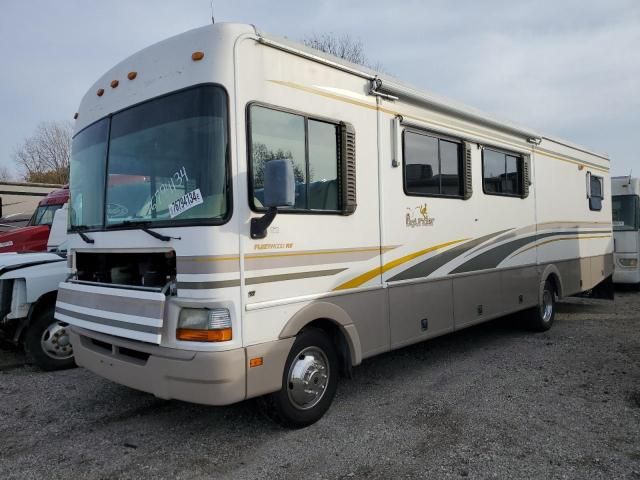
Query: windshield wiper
x=85, y=237
x=79, y=230
x=144, y=224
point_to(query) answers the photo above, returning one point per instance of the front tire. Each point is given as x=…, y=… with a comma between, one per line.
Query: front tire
x=47, y=342
x=541, y=318
x=309, y=382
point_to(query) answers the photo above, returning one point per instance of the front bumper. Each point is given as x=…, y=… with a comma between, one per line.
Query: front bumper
x=210, y=378
x=623, y=274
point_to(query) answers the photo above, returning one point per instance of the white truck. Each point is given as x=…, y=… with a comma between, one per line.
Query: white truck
x=28, y=290
x=626, y=229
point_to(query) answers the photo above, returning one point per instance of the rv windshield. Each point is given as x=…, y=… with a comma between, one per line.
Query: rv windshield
x=626, y=212
x=166, y=164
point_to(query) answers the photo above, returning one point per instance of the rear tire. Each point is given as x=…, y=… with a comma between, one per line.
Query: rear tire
x=309, y=382
x=541, y=318
x=46, y=342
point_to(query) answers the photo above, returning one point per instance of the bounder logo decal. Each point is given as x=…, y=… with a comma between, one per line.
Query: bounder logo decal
x=418, y=217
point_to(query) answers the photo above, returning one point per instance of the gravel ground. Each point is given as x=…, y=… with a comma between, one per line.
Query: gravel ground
x=492, y=401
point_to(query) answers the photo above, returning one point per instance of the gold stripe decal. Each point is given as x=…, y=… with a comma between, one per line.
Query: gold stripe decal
x=365, y=277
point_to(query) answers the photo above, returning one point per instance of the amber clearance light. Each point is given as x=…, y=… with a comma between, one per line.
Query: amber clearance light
x=195, y=56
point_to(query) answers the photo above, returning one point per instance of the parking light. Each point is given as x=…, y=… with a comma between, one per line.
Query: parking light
x=204, y=325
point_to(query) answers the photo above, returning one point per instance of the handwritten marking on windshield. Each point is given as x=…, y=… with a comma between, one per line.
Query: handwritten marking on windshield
x=180, y=177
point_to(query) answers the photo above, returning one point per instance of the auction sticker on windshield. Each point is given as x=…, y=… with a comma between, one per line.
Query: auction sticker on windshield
x=185, y=202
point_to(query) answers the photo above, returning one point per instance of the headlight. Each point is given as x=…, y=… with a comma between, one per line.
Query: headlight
x=628, y=262
x=204, y=325
x=6, y=296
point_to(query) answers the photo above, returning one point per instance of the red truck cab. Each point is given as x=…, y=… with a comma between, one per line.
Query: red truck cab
x=33, y=237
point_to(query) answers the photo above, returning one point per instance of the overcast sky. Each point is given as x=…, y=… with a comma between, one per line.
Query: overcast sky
x=566, y=68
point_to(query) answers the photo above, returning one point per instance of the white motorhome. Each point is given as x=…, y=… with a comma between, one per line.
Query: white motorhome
x=626, y=229
x=250, y=217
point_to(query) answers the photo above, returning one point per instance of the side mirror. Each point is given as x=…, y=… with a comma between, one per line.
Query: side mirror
x=279, y=184
x=279, y=191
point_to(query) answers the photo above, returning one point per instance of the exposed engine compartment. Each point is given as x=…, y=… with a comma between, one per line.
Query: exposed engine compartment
x=146, y=269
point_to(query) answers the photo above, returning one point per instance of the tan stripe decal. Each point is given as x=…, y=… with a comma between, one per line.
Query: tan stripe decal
x=431, y=121
x=257, y=280
x=575, y=237
x=293, y=276
x=264, y=261
x=208, y=264
x=569, y=224
x=365, y=277
x=281, y=259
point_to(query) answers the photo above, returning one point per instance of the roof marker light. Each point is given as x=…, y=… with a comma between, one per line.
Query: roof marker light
x=100, y=92
x=132, y=75
x=196, y=56
x=114, y=83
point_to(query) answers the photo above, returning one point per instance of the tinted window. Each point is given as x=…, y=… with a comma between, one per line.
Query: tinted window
x=595, y=192
x=596, y=186
x=86, y=179
x=44, y=215
x=431, y=165
x=166, y=163
x=493, y=171
x=323, y=165
x=449, y=168
x=502, y=173
x=626, y=212
x=310, y=145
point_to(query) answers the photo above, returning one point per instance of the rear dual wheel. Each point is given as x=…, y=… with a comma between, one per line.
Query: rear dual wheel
x=309, y=381
x=541, y=318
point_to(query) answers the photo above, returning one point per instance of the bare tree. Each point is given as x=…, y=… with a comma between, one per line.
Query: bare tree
x=342, y=47
x=44, y=156
x=262, y=155
x=5, y=174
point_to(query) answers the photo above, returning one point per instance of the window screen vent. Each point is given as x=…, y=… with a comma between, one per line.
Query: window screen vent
x=468, y=184
x=526, y=175
x=348, y=169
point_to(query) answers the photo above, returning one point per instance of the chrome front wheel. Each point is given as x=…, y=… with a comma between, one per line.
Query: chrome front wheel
x=308, y=378
x=309, y=381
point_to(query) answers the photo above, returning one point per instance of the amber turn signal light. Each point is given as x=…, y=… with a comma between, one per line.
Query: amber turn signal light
x=195, y=56
x=196, y=335
x=132, y=75
x=100, y=92
x=256, y=362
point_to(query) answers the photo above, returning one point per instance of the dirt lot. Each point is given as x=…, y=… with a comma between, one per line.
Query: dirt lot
x=490, y=402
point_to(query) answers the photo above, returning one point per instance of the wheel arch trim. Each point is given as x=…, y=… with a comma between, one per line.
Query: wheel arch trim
x=326, y=311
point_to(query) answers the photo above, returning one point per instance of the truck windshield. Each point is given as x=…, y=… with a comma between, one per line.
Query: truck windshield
x=626, y=212
x=164, y=162
x=44, y=215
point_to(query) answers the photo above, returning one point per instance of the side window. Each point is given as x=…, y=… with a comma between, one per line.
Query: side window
x=310, y=145
x=595, y=192
x=432, y=165
x=502, y=173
